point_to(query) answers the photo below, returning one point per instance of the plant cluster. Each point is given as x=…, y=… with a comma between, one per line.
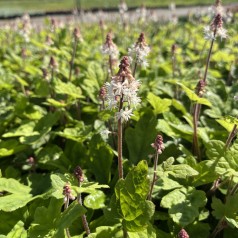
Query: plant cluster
x=128, y=134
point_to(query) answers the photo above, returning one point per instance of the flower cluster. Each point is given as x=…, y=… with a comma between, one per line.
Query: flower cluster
x=78, y=173
x=158, y=145
x=67, y=193
x=216, y=27
x=122, y=91
x=183, y=234
x=25, y=27
x=109, y=48
x=139, y=51
x=122, y=7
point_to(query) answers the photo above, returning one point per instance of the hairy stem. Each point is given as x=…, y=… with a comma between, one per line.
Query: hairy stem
x=197, y=107
x=66, y=205
x=196, y=150
x=134, y=70
x=154, y=176
x=83, y=217
x=231, y=136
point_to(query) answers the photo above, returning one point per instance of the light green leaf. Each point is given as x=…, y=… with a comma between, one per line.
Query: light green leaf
x=159, y=105
x=183, y=204
x=107, y=232
x=17, y=231
x=131, y=195
x=95, y=200
x=23, y=130
x=68, y=89
x=194, y=97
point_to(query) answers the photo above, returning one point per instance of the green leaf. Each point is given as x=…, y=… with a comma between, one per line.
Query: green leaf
x=78, y=133
x=107, y=232
x=131, y=195
x=19, y=197
x=194, y=97
x=94, y=79
x=18, y=231
x=215, y=149
x=228, y=122
x=100, y=159
x=68, y=89
x=23, y=130
x=166, y=183
x=74, y=211
x=140, y=138
x=183, y=204
x=45, y=219
x=228, y=209
x=148, y=232
x=159, y=105
x=232, y=222
x=10, y=147
x=95, y=200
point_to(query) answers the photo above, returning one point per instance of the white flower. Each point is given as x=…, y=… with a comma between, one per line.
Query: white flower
x=110, y=50
x=124, y=115
x=236, y=98
x=208, y=33
x=222, y=33
x=105, y=133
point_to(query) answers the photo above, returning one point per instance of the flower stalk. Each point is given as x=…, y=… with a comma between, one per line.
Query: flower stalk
x=68, y=196
x=122, y=95
x=138, y=53
x=77, y=36
x=211, y=32
x=78, y=173
x=158, y=145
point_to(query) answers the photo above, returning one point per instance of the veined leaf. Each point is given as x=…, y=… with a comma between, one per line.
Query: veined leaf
x=194, y=97
x=183, y=204
x=159, y=105
x=131, y=195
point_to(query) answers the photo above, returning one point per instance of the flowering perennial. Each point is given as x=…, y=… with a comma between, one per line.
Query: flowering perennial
x=122, y=91
x=139, y=51
x=109, y=48
x=216, y=27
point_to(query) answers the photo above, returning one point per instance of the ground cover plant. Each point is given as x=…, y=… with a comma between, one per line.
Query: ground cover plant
x=120, y=130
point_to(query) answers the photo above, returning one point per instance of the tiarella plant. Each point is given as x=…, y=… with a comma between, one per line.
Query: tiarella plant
x=132, y=182
x=122, y=96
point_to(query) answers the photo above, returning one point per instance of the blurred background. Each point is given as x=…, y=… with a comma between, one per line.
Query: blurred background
x=18, y=7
